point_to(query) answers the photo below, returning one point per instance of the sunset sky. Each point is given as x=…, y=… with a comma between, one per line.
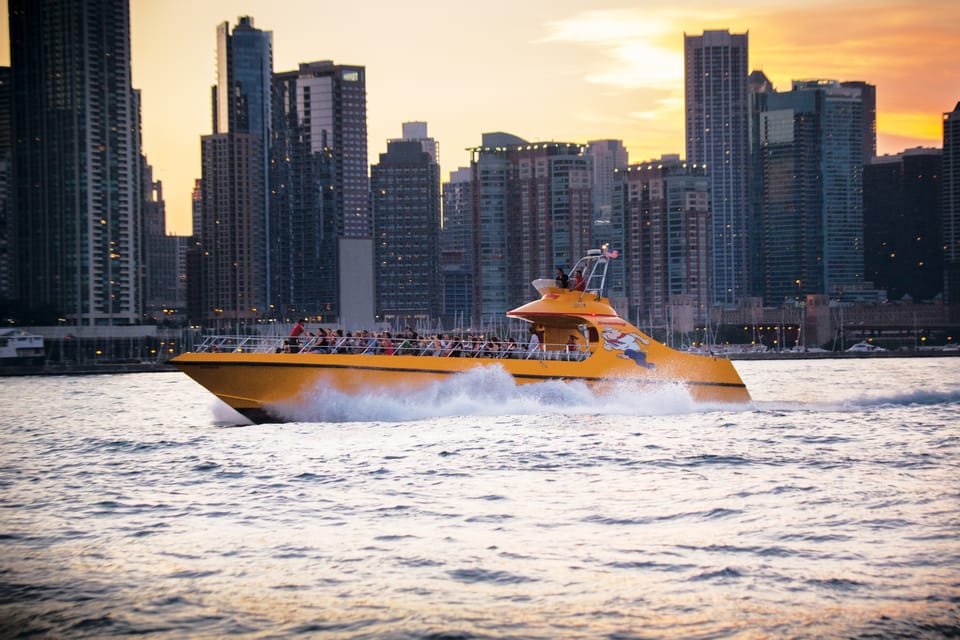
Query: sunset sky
x=540, y=69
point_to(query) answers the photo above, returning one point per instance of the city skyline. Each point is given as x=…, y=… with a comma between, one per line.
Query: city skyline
x=542, y=71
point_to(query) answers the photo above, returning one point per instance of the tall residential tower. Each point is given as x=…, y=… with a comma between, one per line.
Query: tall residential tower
x=951, y=205
x=716, y=103
x=234, y=273
x=322, y=253
x=811, y=207
x=75, y=160
x=406, y=212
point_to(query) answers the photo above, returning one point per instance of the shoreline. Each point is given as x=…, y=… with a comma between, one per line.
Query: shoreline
x=84, y=369
x=833, y=355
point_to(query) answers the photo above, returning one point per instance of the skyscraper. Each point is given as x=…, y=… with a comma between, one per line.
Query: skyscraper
x=8, y=267
x=406, y=213
x=664, y=206
x=951, y=205
x=232, y=235
x=334, y=106
x=609, y=157
x=716, y=103
x=812, y=191
x=304, y=224
x=903, y=247
x=322, y=254
x=75, y=158
x=235, y=265
x=532, y=212
x=868, y=119
x=456, y=249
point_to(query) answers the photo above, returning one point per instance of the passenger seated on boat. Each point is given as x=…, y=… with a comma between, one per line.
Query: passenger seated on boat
x=434, y=348
x=411, y=335
x=369, y=343
x=492, y=348
x=339, y=341
x=563, y=280
x=456, y=348
x=480, y=347
x=579, y=284
x=386, y=343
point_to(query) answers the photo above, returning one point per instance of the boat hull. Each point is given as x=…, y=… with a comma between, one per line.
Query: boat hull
x=261, y=385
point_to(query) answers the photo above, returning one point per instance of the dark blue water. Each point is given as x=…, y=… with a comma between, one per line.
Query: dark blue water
x=828, y=507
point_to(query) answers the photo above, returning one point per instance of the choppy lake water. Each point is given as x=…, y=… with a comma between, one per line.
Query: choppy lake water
x=827, y=507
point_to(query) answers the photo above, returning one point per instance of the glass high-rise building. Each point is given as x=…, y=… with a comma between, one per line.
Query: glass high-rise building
x=532, y=213
x=663, y=208
x=406, y=213
x=456, y=249
x=8, y=267
x=75, y=159
x=235, y=264
x=319, y=195
x=812, y=191
x=716, y=104
x=868, y=119
x=333, y=103
x=903, y=247
x=951, y=205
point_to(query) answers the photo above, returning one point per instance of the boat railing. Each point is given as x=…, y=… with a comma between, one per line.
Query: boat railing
x=371, y=345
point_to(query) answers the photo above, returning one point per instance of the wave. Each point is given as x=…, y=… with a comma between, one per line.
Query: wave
x=490, y=391
x=912, y=398
x=919, y=398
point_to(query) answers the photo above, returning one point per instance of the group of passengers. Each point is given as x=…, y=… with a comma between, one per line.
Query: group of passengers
x=564, y=282
x=405, y=343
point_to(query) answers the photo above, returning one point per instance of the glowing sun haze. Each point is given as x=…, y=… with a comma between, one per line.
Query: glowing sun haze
x=540, y=69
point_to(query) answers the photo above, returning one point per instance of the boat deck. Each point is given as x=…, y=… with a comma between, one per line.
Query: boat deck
x=403, y=347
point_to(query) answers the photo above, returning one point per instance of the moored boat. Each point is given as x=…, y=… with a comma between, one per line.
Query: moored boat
x=19, y=348
x=579, y=337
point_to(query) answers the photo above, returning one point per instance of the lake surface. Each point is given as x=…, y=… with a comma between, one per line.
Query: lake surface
x=827, y=507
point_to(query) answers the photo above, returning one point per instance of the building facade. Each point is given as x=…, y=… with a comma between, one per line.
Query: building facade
x=664, y=206
x=868, y=118
x=333, y=104
x=532, y=212
x=902, y=224
x=811, y=207
x=951, y=205
x=75, y=161
x=456, y=249
x=406, y=212
x=232, y=236
x=716, y=107
x=609, y=158
x=234, y=278
x=319, y=195
x=417, y=131
x=8, y=262
x=305, y=226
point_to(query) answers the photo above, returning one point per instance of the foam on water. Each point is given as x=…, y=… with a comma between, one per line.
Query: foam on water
x=490, y=391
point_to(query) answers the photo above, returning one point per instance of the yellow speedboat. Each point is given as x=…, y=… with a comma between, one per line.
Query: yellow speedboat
x=579, y=336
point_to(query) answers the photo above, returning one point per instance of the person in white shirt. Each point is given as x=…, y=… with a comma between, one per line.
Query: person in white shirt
x=534, y=344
